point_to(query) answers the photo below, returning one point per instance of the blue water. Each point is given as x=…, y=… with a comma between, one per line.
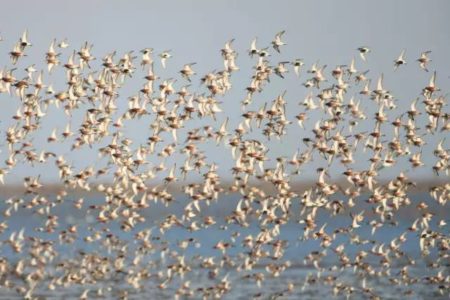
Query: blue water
x=202, y=245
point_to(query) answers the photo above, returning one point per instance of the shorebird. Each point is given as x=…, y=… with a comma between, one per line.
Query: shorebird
x=164, y=56
x=146, y=57
x=424, y=60
x=298, y=63
x=253, y=49
x=277, y=42
x=400, y=60
x=363, y=51
x=63, y=44
x=140, y=199
x=187, y=71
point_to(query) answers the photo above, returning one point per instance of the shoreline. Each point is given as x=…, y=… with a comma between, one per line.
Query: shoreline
x=176, y=188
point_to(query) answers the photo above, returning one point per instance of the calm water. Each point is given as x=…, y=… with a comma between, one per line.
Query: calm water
x=205, y=239
x=245, y=289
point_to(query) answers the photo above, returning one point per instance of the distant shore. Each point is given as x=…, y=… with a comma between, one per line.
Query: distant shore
x=9, y=190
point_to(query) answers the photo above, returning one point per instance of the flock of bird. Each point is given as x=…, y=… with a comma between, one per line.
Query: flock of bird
x=171, y=112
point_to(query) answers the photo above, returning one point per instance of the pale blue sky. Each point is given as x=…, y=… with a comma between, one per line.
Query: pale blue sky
x=195, y=31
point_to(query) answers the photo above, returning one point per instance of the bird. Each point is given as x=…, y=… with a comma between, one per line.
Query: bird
x=63, y=44
x=363, y=51
x=424, y=60
x=253, y=49
x=204, y=186
x=400, y=60
x=24, y=40
x=277, y=42
x=164, y=56
x=297, y=63
x=187, y=71
x=146, y=57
